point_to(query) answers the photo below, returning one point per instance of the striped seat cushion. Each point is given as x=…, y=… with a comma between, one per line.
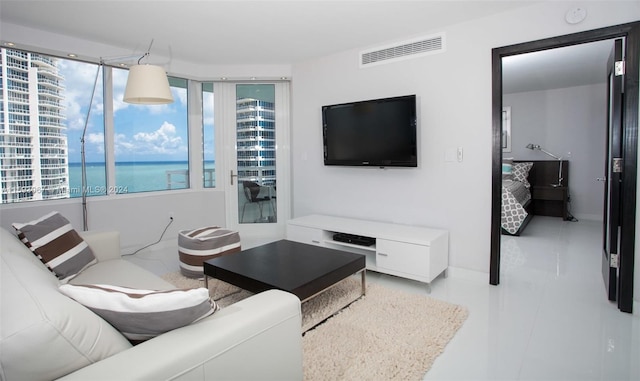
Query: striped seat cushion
x=52, y=239
x=198, y=245
x=143, y=314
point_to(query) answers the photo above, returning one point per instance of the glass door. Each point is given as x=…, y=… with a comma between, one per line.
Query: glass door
x=259, y=161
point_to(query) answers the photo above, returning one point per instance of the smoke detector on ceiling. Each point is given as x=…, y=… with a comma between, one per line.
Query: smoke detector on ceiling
x=575, y=15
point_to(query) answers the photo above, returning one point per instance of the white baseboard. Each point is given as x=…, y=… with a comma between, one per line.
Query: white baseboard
x=466, y=274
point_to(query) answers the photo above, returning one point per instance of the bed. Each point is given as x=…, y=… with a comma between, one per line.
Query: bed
x=525, y=187
x=516, y=196
x=515, y=199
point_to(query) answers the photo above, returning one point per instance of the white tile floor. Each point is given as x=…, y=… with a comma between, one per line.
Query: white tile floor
x=548, y=319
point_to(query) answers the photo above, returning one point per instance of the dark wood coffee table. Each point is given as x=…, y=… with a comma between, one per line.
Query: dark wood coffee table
x=301, y=269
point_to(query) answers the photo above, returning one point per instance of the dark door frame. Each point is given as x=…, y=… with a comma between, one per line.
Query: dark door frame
x=631, y=32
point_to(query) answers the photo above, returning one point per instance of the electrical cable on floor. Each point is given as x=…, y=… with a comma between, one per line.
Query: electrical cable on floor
x=570, y=217
x=151, y=244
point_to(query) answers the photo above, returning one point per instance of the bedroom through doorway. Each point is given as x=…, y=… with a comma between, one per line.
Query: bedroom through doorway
x=555, y=140
x=629, y=35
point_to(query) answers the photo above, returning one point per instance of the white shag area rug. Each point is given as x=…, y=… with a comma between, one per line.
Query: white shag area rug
x=386, y=335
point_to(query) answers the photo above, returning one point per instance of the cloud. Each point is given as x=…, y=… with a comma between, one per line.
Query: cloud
x=96, y=140
x=207, y=112
x=123, y=144
x=119, y=80
x=79, y=78
x=165, y=140
x=140, y=131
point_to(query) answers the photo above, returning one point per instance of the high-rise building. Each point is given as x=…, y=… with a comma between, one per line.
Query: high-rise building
x=256, y=141
x=33, y=143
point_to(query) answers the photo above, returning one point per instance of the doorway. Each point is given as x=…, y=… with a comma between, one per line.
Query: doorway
x=632, y=33
x=255, y=120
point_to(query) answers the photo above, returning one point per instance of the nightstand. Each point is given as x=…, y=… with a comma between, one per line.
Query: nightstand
x=550, y=201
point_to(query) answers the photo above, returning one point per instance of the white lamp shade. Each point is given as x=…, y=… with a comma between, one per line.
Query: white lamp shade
x=147, y=84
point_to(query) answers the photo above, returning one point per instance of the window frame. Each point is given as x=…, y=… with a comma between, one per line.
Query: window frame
x=194, y=131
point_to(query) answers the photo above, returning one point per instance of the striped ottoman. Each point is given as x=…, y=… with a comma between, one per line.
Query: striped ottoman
x=198, y=245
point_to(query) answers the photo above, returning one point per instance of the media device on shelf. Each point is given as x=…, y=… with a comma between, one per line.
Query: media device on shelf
x=377, y=133
x=354, y=239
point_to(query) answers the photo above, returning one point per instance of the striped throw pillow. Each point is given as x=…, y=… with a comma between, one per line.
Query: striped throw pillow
x=143, y=314
x=52, y=239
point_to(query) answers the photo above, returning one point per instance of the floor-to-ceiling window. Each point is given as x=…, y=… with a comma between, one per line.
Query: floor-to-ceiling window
x=44, y=114
x=150, y=141
x=256, y=152
x=53, y=108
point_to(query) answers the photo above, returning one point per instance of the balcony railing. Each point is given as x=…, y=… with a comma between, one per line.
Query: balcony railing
x=179, y=179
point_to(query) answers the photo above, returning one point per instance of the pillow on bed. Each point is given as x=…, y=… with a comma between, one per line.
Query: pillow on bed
x=521, y=172
x=507, y=169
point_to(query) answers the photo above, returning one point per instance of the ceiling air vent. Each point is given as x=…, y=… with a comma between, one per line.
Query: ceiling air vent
x=404, y=50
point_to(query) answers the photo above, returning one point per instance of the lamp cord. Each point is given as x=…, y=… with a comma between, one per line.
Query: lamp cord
x=144, y=55
x=147, y=53
x=151, y=244
x=570, y=216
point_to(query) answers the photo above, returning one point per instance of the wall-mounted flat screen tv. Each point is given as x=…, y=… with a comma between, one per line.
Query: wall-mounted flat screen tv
x=377, y=132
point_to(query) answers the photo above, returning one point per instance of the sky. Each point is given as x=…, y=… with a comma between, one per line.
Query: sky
x=142, y=132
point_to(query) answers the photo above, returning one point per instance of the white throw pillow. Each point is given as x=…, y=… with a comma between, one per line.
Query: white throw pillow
x=143, y=314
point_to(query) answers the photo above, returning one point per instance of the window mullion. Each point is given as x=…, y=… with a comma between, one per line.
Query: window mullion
x=109, y=134
x=194, y=121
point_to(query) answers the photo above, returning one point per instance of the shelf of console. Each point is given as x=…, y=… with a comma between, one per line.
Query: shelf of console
x=411, y=252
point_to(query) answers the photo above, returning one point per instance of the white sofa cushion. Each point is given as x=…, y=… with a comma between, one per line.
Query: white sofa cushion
x=54, y=241
x=41, y=326
x=143, y=314
x=121, y=272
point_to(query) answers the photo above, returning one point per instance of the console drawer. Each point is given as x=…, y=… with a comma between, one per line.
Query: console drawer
x=304, y=234
x=402, y=257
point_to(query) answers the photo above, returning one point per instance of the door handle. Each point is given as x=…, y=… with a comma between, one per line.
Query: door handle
x=601, y=179
x=232, y=176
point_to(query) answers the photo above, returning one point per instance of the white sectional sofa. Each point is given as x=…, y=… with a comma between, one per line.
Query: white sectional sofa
x=45, y=335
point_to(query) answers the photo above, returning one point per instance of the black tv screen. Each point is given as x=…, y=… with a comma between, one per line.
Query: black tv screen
x=377, y=132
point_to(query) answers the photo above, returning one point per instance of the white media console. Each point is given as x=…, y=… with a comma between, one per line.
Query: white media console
x=410, y=252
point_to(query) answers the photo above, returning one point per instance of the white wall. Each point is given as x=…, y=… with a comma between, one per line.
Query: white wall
x=140, y=218
x=570, y=123
x=454, y=96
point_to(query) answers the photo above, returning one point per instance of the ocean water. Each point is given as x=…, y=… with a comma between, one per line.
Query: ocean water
x=131, y=177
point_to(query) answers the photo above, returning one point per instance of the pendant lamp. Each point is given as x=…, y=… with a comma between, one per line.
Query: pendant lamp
x=147, y=84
